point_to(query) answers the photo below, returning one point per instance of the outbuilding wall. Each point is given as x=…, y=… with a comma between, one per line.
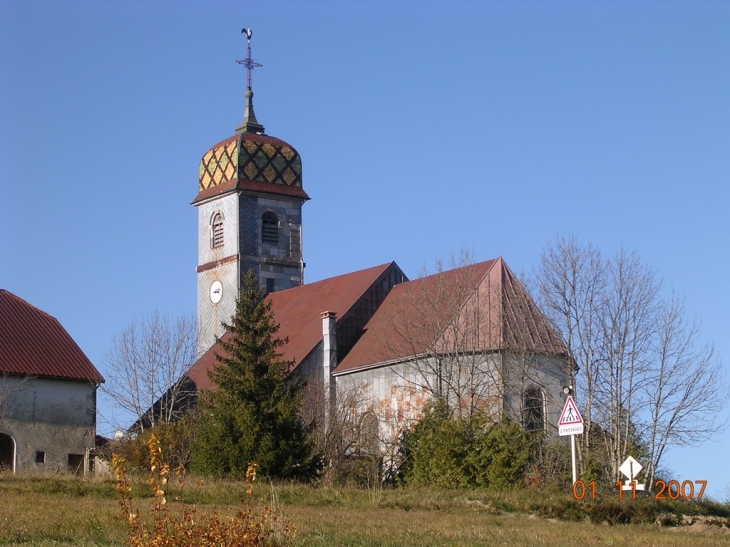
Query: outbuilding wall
x=52, y=418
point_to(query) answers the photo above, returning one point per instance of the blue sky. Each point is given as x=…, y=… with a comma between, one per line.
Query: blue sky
x=424, y=128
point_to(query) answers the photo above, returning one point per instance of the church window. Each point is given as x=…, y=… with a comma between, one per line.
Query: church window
x=217, y=230
x=369, y=443
x=270, y=229
x=269, y=285
x=533, y=409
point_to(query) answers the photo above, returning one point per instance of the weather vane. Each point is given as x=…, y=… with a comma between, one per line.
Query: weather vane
x=248, y=62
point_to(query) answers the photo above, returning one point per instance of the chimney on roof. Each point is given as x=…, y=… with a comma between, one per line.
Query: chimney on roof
x=329, y=362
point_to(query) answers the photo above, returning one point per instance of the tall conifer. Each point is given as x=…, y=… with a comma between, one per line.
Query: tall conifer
x=253, y=414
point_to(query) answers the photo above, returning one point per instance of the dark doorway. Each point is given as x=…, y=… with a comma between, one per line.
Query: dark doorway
x=76, y=464
x=7, y=452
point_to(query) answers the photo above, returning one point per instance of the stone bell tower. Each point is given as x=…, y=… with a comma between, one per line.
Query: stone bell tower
x=249, y=205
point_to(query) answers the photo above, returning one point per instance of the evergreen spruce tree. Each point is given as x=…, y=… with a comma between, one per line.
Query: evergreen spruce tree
x=253, y=414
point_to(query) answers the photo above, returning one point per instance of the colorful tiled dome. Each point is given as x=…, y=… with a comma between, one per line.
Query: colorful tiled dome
x=250, y=160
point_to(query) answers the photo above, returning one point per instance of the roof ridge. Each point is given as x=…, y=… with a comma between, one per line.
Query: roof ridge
x=457, y=269
x=383, y=266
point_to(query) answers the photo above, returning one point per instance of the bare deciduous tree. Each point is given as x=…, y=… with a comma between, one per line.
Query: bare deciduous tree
x=471, y=337
x=346, y=435
x=687, y=389
x=440, y=325
x=638, y=367
x=145, y=368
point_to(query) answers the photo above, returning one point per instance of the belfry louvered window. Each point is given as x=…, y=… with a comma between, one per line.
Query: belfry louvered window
x=218, y=230
x=270, y=229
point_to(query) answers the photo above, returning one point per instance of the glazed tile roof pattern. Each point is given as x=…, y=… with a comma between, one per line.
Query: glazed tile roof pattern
x=251, y=161
x=297, y=311
x=34, y=343
x=438, y=313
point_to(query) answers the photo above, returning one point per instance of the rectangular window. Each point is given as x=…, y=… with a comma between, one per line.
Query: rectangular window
x=40, y=456
x=269, y=285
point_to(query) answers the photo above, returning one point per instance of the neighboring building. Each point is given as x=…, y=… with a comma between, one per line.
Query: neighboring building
x=47, y=393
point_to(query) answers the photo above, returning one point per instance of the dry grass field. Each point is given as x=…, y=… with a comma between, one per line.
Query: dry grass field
x=60, y=511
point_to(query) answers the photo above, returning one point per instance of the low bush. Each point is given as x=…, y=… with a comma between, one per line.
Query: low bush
x=448, y=452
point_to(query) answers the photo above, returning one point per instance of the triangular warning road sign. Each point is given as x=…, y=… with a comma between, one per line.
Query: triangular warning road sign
x=571, y=422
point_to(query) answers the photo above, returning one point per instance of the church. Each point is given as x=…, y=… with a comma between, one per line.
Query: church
x=471, y=335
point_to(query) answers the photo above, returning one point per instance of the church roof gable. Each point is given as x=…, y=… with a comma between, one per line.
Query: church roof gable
x=480, y=307
x=34, y=343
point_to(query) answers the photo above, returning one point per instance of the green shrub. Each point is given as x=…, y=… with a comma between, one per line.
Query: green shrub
x=460, y=452
x=500, y=457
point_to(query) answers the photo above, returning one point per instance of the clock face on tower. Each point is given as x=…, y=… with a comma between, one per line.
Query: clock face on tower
x=216, y=291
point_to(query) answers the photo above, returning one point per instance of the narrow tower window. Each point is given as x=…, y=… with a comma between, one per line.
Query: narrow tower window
x=217, y=230
x=270, y=229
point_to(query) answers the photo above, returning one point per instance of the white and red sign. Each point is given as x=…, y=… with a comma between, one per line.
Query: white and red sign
x=571, y=422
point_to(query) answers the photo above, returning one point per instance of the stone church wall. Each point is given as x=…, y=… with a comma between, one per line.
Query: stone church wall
x=211, y=316
x=398, y=394
x=281, y=262
x=549, y=374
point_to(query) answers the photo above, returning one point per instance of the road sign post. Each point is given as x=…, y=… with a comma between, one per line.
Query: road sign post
x=571, y=423
x=630, y=468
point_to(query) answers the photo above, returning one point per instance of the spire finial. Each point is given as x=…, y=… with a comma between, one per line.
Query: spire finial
x=249, y=125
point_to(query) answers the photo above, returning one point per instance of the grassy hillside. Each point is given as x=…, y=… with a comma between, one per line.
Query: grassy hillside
x=57, y=511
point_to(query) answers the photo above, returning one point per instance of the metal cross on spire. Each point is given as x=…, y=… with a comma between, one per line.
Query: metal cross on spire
x=248, y=62
x=250, y=124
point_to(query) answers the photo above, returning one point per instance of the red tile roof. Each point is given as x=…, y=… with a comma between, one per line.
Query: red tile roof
x=298, y=311
x=34, y=343
x=439, y=312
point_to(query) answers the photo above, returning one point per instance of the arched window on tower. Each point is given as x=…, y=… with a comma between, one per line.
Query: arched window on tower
x=270, y=229
x=217, y=239
x=533, y=409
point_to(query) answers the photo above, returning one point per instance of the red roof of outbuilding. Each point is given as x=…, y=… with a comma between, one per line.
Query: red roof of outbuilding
x=480, y=307
x=34, y=343
x=298, y=311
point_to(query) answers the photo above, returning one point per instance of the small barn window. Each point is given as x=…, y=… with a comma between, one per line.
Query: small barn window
x=533, y=409
x=270, y=229
x=40, y=456
x=217, y=230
